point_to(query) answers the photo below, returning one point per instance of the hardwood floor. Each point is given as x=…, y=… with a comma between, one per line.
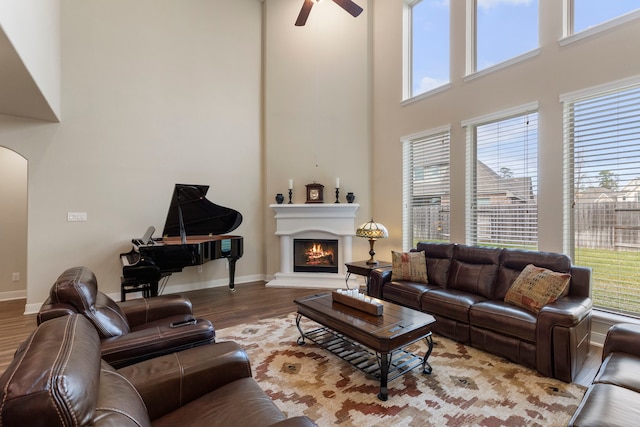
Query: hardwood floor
x=250, y=302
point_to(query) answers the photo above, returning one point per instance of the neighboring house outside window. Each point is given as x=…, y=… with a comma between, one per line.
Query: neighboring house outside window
x=502, y=202
x=426, y=186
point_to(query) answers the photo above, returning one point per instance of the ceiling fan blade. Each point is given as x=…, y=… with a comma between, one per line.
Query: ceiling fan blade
x=304, y=13
x=349, y=6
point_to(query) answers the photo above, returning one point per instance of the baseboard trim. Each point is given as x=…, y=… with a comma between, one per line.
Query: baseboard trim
x=169, y=289
x=11, y=295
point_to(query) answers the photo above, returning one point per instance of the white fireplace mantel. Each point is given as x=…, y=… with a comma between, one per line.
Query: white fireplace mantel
x=314, y=221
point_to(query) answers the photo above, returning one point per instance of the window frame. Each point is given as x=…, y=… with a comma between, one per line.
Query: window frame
x=568, y=34
x=472, y=71
x=473, y=200
x=600, y=92
x=408, y=174
x=407, y=57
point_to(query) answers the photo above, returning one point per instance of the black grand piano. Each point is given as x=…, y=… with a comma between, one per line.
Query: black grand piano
x=195, y=232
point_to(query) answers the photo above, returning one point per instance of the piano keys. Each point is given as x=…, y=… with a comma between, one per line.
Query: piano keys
x=195, y=232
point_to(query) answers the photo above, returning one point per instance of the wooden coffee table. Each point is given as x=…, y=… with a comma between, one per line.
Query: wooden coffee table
x=373, y=344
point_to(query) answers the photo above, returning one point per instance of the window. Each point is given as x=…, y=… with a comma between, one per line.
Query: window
x=503, y=180
x=429, y=45
x=426, y=188
x=590, y=13
x=602, y=187
x=505, y=29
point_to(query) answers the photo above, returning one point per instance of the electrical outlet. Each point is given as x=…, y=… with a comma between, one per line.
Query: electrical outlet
x=15, y=277
x=199, y=269
x=76, y=216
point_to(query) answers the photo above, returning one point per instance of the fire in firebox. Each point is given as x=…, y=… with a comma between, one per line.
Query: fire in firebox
x=315, y=256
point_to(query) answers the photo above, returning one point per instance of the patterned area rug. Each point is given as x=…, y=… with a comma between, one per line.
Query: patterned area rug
x=468, y=387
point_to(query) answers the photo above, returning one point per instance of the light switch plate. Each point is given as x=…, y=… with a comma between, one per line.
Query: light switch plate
x=76, y=216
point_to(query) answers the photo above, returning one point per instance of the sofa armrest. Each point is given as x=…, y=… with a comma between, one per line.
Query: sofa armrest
x=295, y=422
x=622, y=337
x=51, y=310
x=171, y=381
x=145, y=310
x=147, y=343
x=377, y=280
x=580, y=285
x=568, y=313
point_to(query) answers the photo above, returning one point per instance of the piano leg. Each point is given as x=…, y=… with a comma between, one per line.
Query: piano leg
x=153, y=289
x=232, y=272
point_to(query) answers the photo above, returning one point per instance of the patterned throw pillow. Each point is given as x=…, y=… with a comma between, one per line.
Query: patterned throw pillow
x=411, y=266
x=536, y=286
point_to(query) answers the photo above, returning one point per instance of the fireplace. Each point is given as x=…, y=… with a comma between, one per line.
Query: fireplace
x=315, y=255
x=320, y=223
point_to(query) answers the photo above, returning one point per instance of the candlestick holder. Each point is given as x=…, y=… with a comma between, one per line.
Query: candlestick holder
x=337, y=195
x=290, y=194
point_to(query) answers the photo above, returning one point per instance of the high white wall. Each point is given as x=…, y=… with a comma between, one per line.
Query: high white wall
x=154, y=92
x=317, y=109
x=603, y=58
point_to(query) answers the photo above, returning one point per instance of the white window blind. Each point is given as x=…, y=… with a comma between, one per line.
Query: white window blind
x=602, y=184
x=503, y=205
x=426, y=185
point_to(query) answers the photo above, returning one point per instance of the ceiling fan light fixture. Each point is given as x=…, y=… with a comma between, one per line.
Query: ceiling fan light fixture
x=348, y=5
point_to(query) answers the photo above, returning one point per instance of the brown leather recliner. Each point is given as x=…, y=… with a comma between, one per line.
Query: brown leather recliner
x=58, y=379
x=130, y=331
x=613, y=396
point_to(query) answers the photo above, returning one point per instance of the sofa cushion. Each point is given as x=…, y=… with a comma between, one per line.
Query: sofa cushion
x=239, y=403
x=620, y=369
x=617, y=405
x=504, y=318
x=513, y=261
x=439, y=256
x=410, y=266
x=474, y=270
x=406, y=293
x=78, y=287
x=449, y=303
x=536, y=287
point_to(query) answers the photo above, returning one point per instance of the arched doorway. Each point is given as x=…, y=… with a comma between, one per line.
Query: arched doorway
x=13, y=225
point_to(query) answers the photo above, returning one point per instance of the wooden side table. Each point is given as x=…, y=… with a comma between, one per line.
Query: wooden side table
x=361, y=268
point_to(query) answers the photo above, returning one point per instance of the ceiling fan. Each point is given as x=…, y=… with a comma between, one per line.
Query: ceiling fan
x=347, y=5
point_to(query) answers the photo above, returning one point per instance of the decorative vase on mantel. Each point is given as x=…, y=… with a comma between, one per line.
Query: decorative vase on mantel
x=350, y=197
x=279, y=198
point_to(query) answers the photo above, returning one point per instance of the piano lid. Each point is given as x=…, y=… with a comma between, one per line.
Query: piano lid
x=199, y=215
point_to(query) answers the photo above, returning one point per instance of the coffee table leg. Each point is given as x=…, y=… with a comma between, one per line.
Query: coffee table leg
x=385, y=361
x=425, y=364
x=301, y=337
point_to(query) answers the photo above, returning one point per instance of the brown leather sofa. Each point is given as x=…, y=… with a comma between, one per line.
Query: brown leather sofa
x=613, y=396
x=57, y=378
x=465, y=293
x=130, y=331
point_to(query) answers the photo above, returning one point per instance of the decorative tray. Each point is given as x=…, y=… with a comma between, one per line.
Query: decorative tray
x=358, y=301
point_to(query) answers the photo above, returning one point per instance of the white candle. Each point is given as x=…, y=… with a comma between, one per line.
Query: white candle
x=290, y=184
x=337, y=182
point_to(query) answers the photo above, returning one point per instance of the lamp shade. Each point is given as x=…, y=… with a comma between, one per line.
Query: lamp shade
x=372, y=230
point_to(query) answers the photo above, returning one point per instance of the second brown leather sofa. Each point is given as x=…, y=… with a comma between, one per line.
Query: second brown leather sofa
x=57, y=378
x=612, y=398
x=130, y=331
